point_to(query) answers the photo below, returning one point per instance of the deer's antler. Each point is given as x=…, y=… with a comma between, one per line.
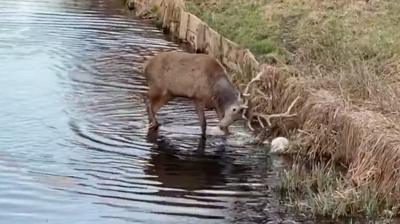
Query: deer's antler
x=259, y=116
x=286, y=114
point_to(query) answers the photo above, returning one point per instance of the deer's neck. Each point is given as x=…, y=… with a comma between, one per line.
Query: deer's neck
x=224, y=93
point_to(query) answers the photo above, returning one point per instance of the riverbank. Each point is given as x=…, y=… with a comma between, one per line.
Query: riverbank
x=338, y=65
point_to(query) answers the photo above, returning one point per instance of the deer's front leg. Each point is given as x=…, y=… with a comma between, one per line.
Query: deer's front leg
x=220, y=114
x=200, y=113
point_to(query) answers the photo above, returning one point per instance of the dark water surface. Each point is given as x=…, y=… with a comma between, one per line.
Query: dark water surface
x=74, y=147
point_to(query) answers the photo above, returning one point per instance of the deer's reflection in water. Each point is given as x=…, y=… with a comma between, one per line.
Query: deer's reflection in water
x=180, y=169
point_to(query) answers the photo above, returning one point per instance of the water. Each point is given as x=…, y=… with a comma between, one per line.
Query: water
x=74, y=146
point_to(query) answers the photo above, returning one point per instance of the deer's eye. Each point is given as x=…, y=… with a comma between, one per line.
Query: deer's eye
x=234, y=109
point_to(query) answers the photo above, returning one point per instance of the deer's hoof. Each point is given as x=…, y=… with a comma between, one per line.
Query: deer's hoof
x=225, y=130
x=154, y=126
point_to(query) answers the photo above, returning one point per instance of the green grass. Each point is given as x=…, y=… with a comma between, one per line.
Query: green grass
x=240, y=23
x=346, y=46
x=285, y=27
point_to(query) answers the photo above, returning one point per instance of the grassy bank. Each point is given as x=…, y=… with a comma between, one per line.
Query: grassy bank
x=343, y=59
x=347, y=46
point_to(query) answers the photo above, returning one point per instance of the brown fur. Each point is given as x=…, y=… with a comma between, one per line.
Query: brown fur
x=198, y=77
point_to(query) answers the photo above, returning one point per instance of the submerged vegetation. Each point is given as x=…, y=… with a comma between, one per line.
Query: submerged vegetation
x=342, y=58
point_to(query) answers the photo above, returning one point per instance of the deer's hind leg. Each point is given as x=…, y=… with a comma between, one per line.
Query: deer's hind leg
x=156, y=101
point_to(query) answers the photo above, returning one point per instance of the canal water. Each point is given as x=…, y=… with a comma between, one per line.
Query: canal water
x=74, y=145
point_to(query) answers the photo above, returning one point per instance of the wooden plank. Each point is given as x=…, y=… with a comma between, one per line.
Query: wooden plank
x=183, y=26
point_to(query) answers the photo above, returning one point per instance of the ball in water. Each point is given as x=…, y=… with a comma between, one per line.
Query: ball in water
x=279, y=145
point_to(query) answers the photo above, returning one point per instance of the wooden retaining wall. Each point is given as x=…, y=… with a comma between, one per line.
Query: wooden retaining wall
x=187, y=27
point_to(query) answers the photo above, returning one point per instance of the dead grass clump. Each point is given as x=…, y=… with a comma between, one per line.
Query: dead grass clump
x=377, y=159
x=328, y=128
x=320, y=124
